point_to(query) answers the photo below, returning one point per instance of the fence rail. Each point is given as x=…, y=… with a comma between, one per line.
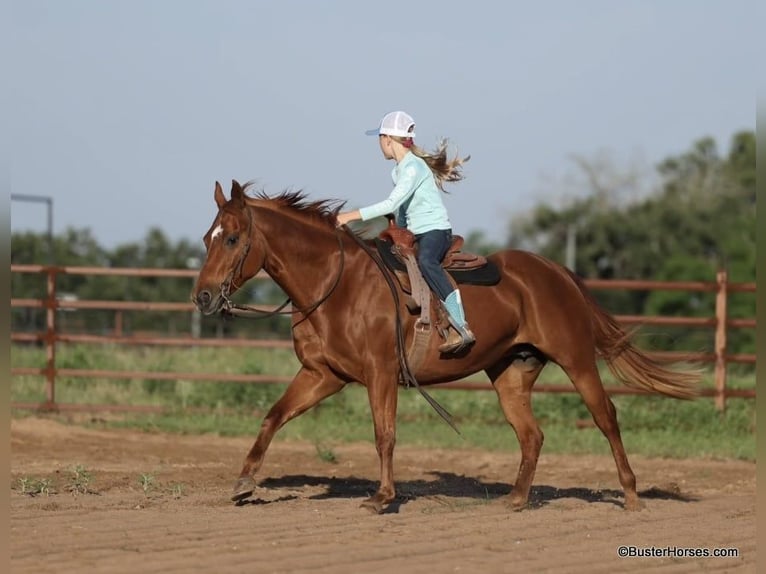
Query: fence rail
x=51, y=337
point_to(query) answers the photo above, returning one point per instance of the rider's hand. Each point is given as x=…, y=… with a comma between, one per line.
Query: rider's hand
x=346, y=217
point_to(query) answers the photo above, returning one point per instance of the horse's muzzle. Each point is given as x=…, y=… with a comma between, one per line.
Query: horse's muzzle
x=206, y=303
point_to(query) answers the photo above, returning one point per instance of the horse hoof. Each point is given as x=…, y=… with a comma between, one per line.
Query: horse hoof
x=634, y=504
x=372, y=505
x=519, y=505
x=243, y=489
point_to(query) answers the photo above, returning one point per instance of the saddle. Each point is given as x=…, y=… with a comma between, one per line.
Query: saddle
x=396, y=245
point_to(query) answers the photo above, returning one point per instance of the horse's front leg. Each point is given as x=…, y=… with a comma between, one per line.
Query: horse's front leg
x=383, y=395
x=307, y=388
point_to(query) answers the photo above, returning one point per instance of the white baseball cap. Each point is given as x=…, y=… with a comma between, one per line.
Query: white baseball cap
x=395, y=124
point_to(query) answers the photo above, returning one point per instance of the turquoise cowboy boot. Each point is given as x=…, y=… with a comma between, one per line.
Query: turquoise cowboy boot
x=460, y=336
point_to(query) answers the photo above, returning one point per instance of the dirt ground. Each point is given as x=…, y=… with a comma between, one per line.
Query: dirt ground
x=160, y=503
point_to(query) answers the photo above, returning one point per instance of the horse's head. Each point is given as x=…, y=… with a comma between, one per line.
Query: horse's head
x=234, y=255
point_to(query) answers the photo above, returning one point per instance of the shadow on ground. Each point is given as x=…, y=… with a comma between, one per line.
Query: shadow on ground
x=445, y=485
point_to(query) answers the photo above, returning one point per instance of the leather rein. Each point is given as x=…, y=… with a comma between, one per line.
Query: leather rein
x=236, y=310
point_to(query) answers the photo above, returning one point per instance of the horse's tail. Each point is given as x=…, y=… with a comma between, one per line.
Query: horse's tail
x=629, y=364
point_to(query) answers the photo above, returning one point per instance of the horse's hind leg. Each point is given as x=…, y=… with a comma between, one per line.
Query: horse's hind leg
x=587, y=381
x=513, y=385
x=307, y=388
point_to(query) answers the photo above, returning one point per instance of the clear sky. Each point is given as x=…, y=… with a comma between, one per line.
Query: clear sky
x=127, y=112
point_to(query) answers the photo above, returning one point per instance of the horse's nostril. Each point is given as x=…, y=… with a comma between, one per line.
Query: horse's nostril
x=203, y=298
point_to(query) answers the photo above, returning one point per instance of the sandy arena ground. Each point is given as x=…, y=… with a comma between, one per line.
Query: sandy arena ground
x=451, y=515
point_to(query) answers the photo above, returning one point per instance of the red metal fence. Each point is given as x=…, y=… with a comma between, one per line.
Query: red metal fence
x=53, y=336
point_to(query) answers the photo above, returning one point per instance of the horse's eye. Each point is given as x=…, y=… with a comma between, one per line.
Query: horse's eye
x=232, y=240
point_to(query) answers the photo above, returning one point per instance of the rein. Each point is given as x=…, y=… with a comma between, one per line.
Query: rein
x=409, y=377
x=237, y=310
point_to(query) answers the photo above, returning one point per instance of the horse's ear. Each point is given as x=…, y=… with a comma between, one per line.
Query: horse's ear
x=220, y=198
x=237, y=194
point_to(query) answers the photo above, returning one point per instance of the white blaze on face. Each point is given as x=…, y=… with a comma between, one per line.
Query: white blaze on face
x=217, y=231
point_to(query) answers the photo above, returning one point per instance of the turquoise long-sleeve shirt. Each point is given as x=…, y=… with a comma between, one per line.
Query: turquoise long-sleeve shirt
x=416, y=200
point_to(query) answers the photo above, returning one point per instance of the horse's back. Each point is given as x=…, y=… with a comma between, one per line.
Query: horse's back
x=545, y=295
x=531, y=272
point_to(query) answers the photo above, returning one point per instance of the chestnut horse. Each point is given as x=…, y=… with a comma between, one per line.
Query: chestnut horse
x=344, y=331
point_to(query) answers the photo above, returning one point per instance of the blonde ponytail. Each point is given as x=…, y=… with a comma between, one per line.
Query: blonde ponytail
x=444, y=170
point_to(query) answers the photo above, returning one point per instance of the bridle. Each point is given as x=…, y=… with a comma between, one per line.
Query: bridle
x=234, y=309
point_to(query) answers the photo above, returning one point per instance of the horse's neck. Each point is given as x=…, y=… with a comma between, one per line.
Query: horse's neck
x=303, y=258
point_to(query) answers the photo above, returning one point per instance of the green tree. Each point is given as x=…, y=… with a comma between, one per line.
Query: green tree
x=701, y=219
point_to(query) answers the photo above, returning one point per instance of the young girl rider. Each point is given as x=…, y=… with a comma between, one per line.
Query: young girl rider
x=417, y=203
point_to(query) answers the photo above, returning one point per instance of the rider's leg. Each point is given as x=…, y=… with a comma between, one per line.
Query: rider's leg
x=432, y=246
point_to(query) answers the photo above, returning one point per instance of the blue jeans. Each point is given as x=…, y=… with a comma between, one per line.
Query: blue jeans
x=432, y=247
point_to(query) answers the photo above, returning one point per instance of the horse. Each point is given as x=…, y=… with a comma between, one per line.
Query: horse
x=344, y=327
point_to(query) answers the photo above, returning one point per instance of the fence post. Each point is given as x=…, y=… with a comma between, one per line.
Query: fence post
x=721, y=317
x=50, y=342
x=118, y=331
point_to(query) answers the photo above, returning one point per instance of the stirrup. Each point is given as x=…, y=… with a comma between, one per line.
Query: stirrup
x=465, y=338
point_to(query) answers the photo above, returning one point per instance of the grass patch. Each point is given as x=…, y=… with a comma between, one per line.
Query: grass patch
x=653, y=426
x=146, y=481
x=35, y=486
x=80, y=480
x=325, y=453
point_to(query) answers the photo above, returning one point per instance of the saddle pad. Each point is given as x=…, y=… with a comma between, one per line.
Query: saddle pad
x=487, y=275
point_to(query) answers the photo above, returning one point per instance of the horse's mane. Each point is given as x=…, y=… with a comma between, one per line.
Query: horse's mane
x=324, y=210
